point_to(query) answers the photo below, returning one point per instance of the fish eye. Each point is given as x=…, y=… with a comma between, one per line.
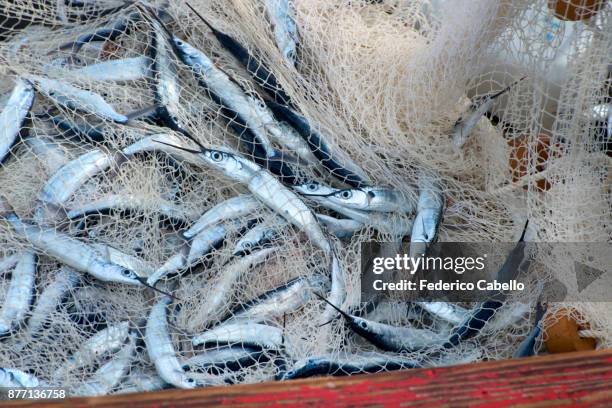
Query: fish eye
x=346, y=194
x=216, y=156
x=190, y=380
x=363, y=325
x=126, y=272
x=179, y=42
x=311, y=187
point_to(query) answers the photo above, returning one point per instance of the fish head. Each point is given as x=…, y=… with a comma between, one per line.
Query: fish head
x=360, y=326
x=314, y=188
x=351, y=197
x=184, y=49
x=123, y=275
x=227, y=162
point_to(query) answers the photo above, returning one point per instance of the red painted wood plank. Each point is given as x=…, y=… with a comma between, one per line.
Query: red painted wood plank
x=574, y=380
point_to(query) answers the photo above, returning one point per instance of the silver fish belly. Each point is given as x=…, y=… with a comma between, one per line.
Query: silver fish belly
x=19, y=294
x=255, y=115
x=279, y=301
x=160, y=348
x=216, y=302
x=232, y=208
x=248, y=333
x=71, y=252
x=50, y=298
x=75, y=98
x=105, y=341
x=428, y=217
x=269, y=190
x=14, y=114
x=70, y=177
x=128, y=69
x=109, y=374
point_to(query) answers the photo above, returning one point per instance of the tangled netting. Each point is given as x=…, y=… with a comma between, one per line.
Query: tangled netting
x=381, y=82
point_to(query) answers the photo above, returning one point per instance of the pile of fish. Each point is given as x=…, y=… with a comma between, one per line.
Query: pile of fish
x=274, y=162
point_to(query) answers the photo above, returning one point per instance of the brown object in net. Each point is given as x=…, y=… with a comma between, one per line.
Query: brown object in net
x=562, y=334
x=520, y=160
x=574, y=10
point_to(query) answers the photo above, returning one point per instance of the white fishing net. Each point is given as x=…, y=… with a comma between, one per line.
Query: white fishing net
x=381, y=81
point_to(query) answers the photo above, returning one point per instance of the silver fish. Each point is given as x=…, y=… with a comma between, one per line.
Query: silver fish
x=14, y=114
x=165, y=78
x=70, y=177
x=269, y=190
x=235, y=207
x=109, y=340
x=160, y=349
x=128, y=69
x=110, y=374
x=251, y=334
x=134, y=203
x=20, y=293
x=428, y=217
x=255, y=114
x=216, y=303
x=464, y=126
x=279, y=301
x=391, y=338
x=71, y=252
x=50, y=298
x=373, y=199
x=282, y=17
x=75, y=98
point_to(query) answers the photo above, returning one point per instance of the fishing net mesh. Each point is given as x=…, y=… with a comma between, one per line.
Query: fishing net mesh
x=384, y=82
